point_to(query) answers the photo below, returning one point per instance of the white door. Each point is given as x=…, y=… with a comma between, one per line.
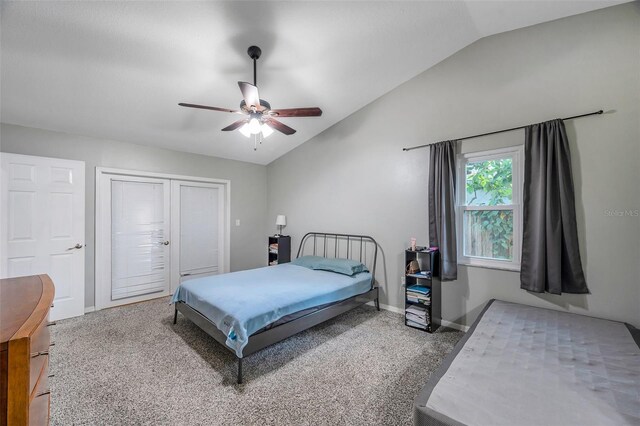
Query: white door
x=136, y=245
x=198, y=214
x=42, y=226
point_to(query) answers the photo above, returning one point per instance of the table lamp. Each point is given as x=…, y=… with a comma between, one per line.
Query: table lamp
x=281, y=220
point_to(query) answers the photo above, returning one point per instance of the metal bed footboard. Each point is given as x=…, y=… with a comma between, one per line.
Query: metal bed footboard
x=268, y=337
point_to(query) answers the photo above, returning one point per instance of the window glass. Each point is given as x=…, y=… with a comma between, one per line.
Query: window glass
x=489, y=183
x=488, y=234
x=489, y=214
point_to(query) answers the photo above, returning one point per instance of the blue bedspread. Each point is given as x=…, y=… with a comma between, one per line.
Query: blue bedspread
x=241, y=303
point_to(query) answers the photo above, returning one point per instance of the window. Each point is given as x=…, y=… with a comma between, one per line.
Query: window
x=489, y=212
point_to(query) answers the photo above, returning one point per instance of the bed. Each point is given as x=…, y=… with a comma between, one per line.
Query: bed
x=247, y=311
x=522, y=365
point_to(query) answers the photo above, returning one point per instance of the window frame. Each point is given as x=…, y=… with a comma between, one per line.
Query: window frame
x=516, y=153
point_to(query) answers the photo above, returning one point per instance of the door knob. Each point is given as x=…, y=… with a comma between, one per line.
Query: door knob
x=166, y=243
x=77, y=246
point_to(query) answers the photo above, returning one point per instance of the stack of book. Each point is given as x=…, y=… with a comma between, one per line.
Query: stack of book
x=273, y=248
x=423, y=249
x=420, y=274
x=417, y=316
x=419, y=294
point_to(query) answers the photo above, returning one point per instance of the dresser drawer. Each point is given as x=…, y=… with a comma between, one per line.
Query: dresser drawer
x=42, y=383
x=39, y=353
x=41, y=338
x=39, y=411
x=40, y=397
x=37, y=366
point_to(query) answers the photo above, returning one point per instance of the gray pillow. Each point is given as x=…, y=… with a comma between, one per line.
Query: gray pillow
x=341, y=266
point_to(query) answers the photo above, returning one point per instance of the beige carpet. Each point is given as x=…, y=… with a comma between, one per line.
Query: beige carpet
x=132, y=366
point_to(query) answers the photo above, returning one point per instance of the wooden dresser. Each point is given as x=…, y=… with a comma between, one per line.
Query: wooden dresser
x=24, y=351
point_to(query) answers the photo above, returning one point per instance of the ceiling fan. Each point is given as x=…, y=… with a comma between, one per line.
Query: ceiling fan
x=260, y=120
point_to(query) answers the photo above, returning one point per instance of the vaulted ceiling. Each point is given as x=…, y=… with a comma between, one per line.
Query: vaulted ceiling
x=118, y=69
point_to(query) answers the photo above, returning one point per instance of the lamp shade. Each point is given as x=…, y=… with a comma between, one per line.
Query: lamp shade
x=254, y=126
x=266, y=131
x=245, y=130
x=281, y=220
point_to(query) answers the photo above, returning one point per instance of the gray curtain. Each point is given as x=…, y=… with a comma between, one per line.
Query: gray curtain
x=550, y=255
x=442, y=206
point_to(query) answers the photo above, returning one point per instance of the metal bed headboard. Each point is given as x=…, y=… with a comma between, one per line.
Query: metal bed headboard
x=344, y=242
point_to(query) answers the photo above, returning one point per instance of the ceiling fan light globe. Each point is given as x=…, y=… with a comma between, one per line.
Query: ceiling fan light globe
x=254, y=126
x=245, y=130
x=266, y=130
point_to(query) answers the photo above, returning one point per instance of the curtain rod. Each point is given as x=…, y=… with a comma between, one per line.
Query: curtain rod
x=501, y=131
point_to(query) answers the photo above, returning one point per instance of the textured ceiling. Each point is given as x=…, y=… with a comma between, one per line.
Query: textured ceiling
x=118, y=69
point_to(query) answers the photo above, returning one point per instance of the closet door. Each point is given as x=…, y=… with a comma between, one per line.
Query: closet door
x=198, y=234
x=140, y=230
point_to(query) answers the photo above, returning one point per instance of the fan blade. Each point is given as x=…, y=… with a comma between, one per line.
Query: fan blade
x=250, y=95
x=235, y=111
x=281, y=127
x=297, y=112
x=234, y=126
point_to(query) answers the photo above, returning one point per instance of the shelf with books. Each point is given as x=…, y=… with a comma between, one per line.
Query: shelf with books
x=421, y=303
x=279, y=250
x=425, y=275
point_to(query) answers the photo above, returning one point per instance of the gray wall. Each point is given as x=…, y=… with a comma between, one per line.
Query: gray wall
x=355, y=178
x=248, y=184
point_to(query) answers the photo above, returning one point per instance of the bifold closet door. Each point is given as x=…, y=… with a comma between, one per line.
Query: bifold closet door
x=140, y=237
x=198, y=219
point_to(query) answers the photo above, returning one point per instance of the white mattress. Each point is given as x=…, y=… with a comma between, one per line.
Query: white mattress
x=530, y=366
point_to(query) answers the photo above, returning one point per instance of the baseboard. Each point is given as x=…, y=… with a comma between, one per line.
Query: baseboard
x=443, y=323
x=388, y=308
x=455, y=326
x=392, y=309
x=88, y=309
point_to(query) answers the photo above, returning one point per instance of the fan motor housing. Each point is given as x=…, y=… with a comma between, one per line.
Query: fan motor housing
x=254, y=52
x=264, y=104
